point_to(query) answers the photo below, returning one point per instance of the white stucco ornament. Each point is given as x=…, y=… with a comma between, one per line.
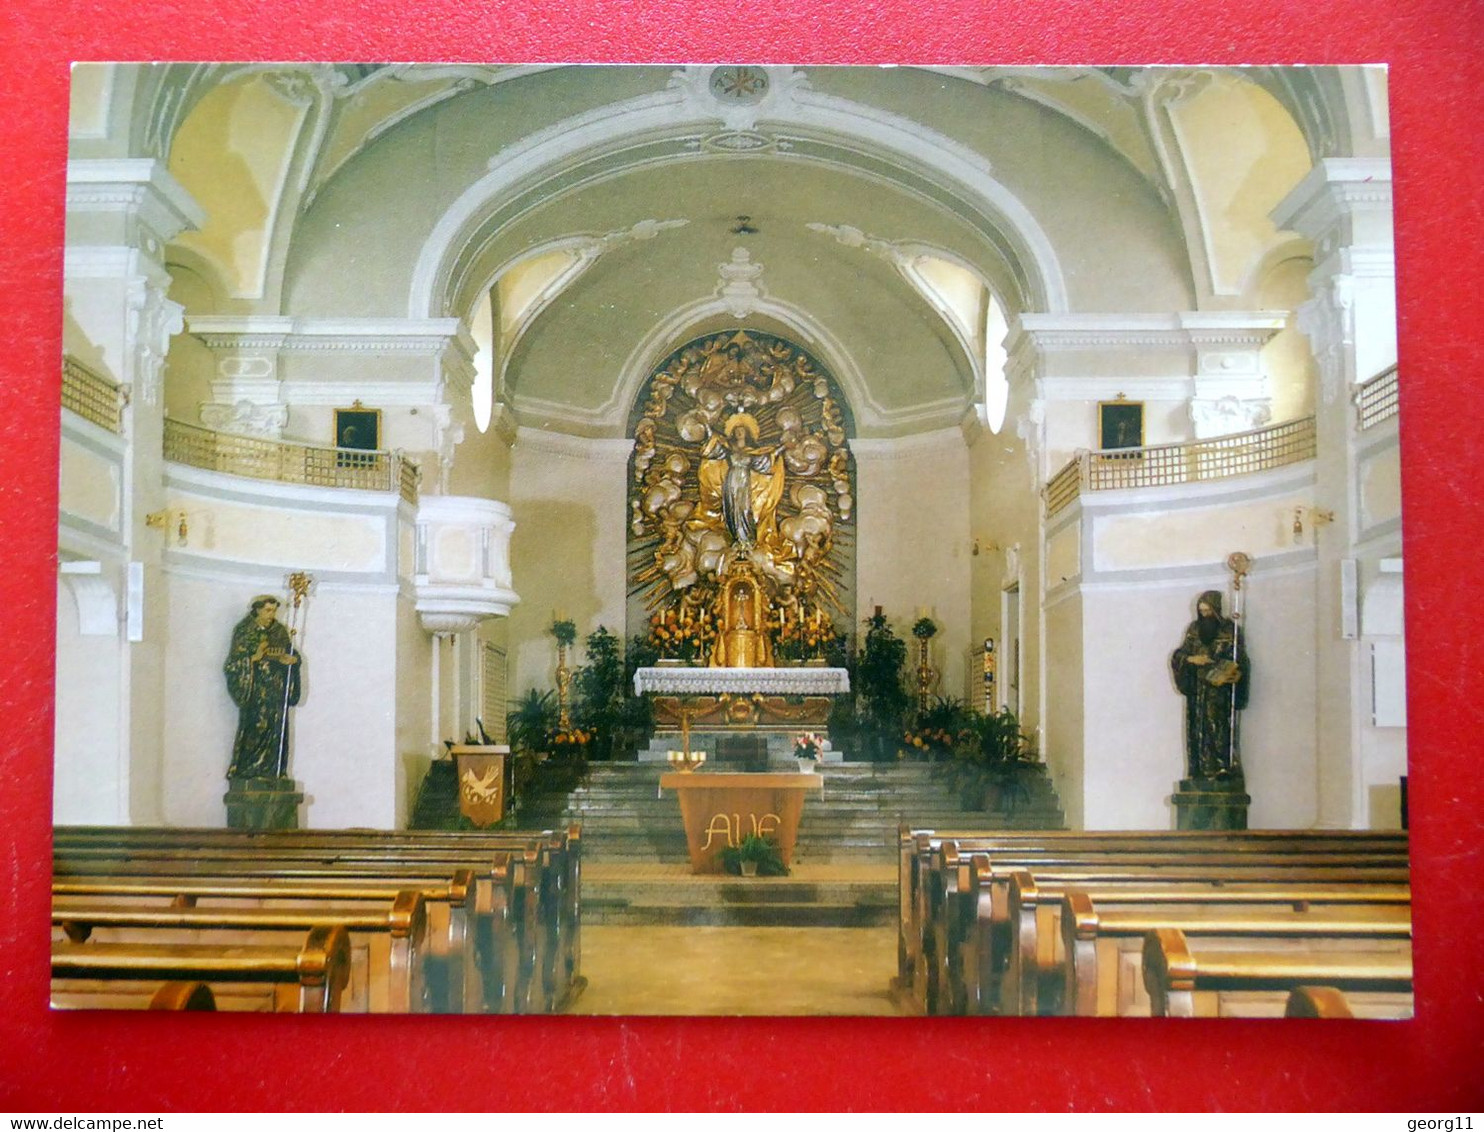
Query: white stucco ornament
x=738, y=287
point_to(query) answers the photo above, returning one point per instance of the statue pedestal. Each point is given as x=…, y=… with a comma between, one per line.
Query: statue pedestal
x=263, y=803
x=1211, y=803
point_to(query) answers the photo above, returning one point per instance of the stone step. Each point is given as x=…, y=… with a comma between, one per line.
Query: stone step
x=854, y=818
x=740, y=902
x=741, y=916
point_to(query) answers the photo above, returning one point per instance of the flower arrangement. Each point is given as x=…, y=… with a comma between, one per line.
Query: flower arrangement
x=928, y=743
x=682, y=634
x=570, y=741
x=802, y=635
x=565, y=632
x=924, y=628
x=806, y=746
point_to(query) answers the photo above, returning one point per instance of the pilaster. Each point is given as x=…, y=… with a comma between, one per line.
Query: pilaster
x=1344, y=207
x=121, y=213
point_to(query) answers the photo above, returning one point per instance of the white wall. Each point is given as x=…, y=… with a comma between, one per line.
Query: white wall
x=343, y=733
x=90, y=784
x=1145, y=556
x=1134, y=741
x=913, y=542
x=570, y=503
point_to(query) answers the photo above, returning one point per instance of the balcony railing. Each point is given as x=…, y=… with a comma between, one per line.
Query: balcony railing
x=1376, y=400
x=1164, y=464
x=92, y=396
x=289, y=462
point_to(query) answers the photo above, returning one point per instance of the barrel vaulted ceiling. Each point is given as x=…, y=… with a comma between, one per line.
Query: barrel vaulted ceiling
x=607, y=200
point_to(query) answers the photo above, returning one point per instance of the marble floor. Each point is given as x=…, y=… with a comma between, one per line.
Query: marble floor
x=737, y=971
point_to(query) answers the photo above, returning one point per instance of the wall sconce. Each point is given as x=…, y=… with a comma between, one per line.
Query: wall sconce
x=161, y=519
x=1317, y=518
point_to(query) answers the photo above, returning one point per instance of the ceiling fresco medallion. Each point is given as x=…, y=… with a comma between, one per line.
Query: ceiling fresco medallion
x=742, y=86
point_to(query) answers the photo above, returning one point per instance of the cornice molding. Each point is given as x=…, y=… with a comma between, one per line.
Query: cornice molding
x=425, y=336
x=1334, y=190
x=1058, y=332
x=138, y=187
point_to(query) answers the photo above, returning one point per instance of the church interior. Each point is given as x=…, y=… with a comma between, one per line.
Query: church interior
x=498, y=501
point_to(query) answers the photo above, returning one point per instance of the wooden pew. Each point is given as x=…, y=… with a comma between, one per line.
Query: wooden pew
x=404, y=923
x=544, y=868
x=504, y=886
x=314, y=974
x=1102, y=943
x=183, y=996
x=1213, y=982
x=1016, y=964
x=450, y=970
x=931, y=880
x=969, y=915
x=1328, y=1002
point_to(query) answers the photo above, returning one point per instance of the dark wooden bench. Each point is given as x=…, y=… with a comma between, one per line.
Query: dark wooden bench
x=1186, y=982
x=969, y=919
x=309, y=978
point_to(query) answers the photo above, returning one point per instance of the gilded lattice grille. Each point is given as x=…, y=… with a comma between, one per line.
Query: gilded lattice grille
x=287, y=462
x=1376, y=400
x=91, y=396
x=1161, y=465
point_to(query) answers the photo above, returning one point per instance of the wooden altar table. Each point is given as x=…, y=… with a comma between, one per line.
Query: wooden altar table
x=721, y=809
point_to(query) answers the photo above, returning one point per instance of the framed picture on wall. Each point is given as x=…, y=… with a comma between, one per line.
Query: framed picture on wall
x=357, y=428
x=1120, y=424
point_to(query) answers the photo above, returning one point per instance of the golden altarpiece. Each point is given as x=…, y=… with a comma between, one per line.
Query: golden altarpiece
x=741, y=521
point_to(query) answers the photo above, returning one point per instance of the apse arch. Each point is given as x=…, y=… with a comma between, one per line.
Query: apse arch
x=809, y=332
x=662, y=127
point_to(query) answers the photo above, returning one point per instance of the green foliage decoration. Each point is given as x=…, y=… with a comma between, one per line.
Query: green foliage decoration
x=754, y=847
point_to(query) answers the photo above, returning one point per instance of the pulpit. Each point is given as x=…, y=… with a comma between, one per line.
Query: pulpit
x=719, y=810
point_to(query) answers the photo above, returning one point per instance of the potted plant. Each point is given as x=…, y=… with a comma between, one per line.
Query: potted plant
x=995, y=761
x=882, y=700
x=755, y=855
x=806, y=751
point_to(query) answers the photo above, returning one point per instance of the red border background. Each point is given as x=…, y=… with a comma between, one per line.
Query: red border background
x=136, y=1062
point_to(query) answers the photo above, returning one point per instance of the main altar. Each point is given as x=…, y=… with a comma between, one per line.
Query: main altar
x=741, y=554
x=736, y=698
x=741, y=546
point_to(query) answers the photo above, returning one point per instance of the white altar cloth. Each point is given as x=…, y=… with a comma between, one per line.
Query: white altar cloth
x=743, y=681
